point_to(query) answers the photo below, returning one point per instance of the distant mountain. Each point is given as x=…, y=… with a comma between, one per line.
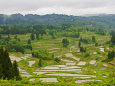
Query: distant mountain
x=100, y=21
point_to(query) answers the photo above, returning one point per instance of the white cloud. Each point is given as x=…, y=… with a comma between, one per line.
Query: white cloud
x=70, y=7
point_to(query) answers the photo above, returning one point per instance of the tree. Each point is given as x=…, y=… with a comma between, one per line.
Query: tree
x=52, y=33
x=29, y=46
x=8, y=36
x=79, y=44
x=15, y=37
x=93, y=39
x=113, y=38
x=43, y=54
x=29, y=41
x=81, y=39
x=82, y=49
x=77, y=35
x=6, y=64
x=112, y=32
x=57, y=59
x=15, y=46
x=40, y=62
x=96, y=44
x=111, y=54
x=16, y=71
x=37, y=36
x=32, y=36
x=1, y=73
x=65, y=42
x=18, y=39
x=42, y=32
x=7, y=69
x=84, y=40
x=0, y=36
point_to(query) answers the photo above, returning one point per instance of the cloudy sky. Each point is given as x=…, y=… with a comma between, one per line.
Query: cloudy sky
x=69, y=7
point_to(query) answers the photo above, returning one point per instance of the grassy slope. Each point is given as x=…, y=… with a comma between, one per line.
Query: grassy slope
x=49, y=43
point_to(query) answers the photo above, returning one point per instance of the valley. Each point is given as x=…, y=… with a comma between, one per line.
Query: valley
x=53, y=61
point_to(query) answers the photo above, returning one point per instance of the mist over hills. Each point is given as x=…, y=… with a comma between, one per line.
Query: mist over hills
x=99, y=21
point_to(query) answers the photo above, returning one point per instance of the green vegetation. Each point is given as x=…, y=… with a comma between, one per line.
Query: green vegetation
x=40, y=62
x=57, y=59
x=16, y=71
x=48, y=45
x=43, y=54
x=111, y=56
x=65, y=42
x=8, y=70
x=113, y=38
x=32, y=36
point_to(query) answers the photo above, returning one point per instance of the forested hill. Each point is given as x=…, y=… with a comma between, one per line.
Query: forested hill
x=100, y=21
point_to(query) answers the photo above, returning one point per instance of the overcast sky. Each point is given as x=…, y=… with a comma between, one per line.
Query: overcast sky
x=69, y=7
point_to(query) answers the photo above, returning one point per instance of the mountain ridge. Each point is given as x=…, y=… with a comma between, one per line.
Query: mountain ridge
x=99, y=21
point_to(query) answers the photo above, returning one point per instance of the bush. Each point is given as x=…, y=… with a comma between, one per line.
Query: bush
x=86, y=41
x=29, y=46
x=82, y=49
x=86, y=54
x=43, y=54
x=65, y=42
x=96, y=44
x=40, y=62
x=111, y=54
x=57, y=59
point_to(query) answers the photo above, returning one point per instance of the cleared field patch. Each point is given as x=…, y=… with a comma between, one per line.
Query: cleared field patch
x=81, y=63
x=72, y=75
x=24, y=73
x=13, y=58
x=81, y=81
x=49, y=79
x=70, y=55
x=31, y=63
x=92, y=62
x=26, y=56
x=38, y=73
